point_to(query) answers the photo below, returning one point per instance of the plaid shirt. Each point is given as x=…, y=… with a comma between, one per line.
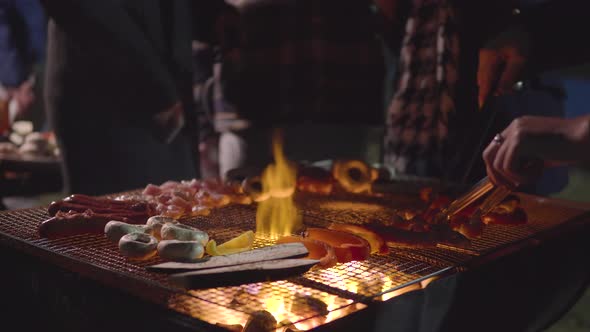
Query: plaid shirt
x=295, y=61
x=417, y=121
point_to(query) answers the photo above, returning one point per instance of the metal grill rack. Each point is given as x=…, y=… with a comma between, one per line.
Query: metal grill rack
x=310, y=300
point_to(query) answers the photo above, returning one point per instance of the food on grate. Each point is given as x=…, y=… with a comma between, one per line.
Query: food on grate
x=78, y=214
x=171, y=231
x=74, y=223
x=115, y=230
x=376, y=242
x=200, y=211
x=394, y=237
x=317, y=250
x=469, y=227
x=180, y=251
x=238, y=244
x=241, y=199
x=508, y=212
x=517, y=217
x=408, y=220
x=138, y=246
x=301, y=304
x=231, y=327
x=426, y=194
x=260, y=321
x=8, y=148
x=252, y=186
x=457, y=230
x=193, y=198
x=354, y=176
x=347, y=247
x=314, y=180
x=156, y=222
x=509, y=205
x=139, y=211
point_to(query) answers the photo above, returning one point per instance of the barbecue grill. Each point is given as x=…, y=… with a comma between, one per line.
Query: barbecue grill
x=316, y=300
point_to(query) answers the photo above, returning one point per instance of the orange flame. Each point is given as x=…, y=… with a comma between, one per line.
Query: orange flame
x=278, y=216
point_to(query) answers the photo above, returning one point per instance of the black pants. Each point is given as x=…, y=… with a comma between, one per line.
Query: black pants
x=103, y=155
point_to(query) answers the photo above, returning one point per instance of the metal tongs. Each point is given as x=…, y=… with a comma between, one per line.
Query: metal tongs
x=480, y=189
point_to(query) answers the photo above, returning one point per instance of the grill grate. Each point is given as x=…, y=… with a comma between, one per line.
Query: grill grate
x=313, y=299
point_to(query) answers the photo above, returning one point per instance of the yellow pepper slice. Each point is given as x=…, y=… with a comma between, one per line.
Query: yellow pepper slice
x=240, y=243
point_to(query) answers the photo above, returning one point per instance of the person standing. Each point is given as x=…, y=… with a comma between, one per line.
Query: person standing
x=312, y=67
x=118, y=92
x=524, y=149
x=22, y=50
x=433, y=126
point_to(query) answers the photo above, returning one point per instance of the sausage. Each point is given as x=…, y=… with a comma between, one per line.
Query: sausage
x=65, y=206
x=74, y=223
x=61, y=206
x=104, y=204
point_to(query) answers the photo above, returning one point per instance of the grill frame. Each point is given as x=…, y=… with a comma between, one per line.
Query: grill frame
x=77, y=254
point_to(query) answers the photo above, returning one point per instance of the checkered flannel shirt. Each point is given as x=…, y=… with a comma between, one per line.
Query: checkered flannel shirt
x=417, y=118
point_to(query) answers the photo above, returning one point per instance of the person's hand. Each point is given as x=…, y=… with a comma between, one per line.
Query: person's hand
x=24, y=95
x=388, y=8
x=22, y=99
x=518, y=154
x=502, y=61
x=167, y=124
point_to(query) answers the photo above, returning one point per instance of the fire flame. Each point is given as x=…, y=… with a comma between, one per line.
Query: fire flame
x=278, y=216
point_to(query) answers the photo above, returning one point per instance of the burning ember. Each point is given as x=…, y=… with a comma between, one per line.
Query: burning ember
x=277, y=216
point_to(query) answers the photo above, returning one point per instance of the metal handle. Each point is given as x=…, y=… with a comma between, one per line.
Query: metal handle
x=478, y=190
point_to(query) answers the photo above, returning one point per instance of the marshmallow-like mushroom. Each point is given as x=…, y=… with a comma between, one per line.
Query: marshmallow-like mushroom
x=115, y=230
x=139, y=246
x=156, y=222
x=180, y=251
x=183, y=233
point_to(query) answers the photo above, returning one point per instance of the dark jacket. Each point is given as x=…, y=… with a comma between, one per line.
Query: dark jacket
x=131, y=55
x=298, y=61
x=22, y=39
x=559, y=33
x=111, y=66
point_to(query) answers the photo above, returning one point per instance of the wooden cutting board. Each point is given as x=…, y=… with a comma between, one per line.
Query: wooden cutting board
x=280, y=251
x=243, y=274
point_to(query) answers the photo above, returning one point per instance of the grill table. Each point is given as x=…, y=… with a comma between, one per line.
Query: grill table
x=32, y=175
x=82, y=282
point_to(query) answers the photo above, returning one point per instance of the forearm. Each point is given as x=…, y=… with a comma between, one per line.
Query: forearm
x=107, y=30
x=562, y=141
x=580, y=135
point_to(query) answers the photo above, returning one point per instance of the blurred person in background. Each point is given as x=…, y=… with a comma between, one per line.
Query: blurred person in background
x=312, y=67
x=119, y=78
x=22, y=52
x=206, y=48
x=433, y=126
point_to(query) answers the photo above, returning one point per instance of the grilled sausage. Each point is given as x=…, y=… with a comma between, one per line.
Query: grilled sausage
x=75, y=223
